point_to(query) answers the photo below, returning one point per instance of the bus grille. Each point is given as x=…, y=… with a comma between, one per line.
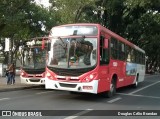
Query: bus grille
x=34, y=80
x=68, y=85
x=70, y=72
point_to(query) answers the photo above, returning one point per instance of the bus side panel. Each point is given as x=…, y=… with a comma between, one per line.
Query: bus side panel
x=132, y=74
x=141, y=72
x=131, y=70
x=121, y=72
x=104, y=80
x=117, y=68
x=129, y=80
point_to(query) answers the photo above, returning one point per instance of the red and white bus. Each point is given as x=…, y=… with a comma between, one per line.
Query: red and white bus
x=33, y=63
x=92, y=59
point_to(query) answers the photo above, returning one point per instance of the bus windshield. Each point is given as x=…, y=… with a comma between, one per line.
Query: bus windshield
x=73, y=52
x=34, y=58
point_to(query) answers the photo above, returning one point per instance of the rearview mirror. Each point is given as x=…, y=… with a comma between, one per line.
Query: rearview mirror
x=43, y=43
x=46, y=44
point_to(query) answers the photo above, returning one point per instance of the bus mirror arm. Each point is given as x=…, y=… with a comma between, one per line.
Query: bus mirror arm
x=106, y=43
x=43, y=43
x=48, y=46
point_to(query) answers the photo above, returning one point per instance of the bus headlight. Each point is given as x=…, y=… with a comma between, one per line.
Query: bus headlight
x=49, y=76
x=90, y=77
x=23, y=73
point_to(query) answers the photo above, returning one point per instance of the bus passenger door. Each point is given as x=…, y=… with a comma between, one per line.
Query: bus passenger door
x=104, y=61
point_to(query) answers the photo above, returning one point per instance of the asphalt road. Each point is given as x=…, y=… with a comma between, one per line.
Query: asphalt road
x=145, y=97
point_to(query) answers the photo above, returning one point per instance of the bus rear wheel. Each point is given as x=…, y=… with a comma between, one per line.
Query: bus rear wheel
x=135, y=85
x=112, y=90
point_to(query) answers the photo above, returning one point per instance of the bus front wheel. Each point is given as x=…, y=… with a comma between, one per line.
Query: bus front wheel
x=112, y=90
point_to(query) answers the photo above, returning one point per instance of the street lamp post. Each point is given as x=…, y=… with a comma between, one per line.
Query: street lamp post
x=10, y=56
x=8, y=48
x=10, y=52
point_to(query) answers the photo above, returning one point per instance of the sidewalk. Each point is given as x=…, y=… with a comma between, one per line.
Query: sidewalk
x=16, y=86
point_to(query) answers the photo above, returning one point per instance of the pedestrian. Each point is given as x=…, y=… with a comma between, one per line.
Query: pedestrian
x=11, y=74
x=14, y=74
x=6, y=74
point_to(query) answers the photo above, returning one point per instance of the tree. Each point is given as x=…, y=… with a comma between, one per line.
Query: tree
x=22, y=20
x=143, y=23
x=71, y=11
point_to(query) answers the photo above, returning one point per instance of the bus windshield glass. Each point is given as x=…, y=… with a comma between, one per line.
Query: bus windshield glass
x=74, y=30
x=73, y=52
x=34, y=58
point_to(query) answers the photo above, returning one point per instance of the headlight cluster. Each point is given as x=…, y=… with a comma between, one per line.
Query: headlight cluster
x=90, y=77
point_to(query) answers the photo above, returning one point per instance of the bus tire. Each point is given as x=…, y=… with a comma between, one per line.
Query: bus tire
x=135, y=85
x=112, y=90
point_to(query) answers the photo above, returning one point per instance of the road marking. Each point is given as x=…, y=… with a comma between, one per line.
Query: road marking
x=144, y=87
x=149, y=76
x=79, y=114
x=114, y=100
x=4, y=99
x=153, y=97
x=43, y=92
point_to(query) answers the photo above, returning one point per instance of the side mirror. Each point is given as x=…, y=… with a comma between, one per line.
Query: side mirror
x=106, y=43
x=46, y=44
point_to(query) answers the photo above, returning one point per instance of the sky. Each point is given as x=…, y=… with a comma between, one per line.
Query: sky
x=44, y=2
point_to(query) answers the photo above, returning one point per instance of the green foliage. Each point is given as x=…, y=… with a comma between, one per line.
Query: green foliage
x=23, y=19
x=71, y=11
x=143, y=27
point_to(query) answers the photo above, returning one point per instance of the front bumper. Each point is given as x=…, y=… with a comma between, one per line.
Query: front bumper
x=88, y=87
x=37, y=81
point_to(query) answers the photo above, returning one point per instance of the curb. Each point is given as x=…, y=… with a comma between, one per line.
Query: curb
x=19, y=88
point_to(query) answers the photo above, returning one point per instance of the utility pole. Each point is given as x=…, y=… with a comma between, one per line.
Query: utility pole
x=8, y=48
x=10, y=55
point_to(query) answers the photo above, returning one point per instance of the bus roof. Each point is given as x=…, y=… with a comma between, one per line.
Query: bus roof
x=109, y=32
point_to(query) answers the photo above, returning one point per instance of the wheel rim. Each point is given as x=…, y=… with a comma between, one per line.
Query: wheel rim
x=136, y=84
x=112, y=88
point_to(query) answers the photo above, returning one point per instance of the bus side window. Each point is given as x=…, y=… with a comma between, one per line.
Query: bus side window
x=121, y=51
x=128, y=54
x=114, y=48
x=104, y=52
x=133, y=56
